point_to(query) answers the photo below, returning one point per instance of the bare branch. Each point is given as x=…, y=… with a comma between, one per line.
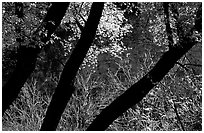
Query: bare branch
x=81, y=6
x=82, y=17
x=167, y=23
x=183, y=66
x=197, y=65
x=177, y=116
x=78, y=12
x=79, y=25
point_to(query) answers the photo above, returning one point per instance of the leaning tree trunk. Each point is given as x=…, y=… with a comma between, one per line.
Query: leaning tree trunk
x=140, y=89
x=27, y=55
x=65, y=87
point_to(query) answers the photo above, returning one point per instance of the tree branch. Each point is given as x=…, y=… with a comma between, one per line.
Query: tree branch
x=178, y=24
x=183, y=66
x=197, y=65
x=79, y=25
x=139, y=90
x=167, y=23
x=27, y=57
x=65, y=87
x=177, y=116
x=78, y=12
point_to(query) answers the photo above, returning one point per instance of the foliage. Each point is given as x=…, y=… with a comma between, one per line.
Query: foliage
x=130, y=39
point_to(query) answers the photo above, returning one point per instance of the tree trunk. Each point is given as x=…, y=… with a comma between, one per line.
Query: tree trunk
x=65, y=86
x=140, y=89
x=27, y=56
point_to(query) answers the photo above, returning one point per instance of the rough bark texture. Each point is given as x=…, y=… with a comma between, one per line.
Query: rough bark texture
x=65, y=86
x=140, y=89
x=27, y=56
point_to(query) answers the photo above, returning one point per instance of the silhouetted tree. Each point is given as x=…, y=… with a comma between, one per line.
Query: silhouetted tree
x=27, y=54
x=65, y=86
x=140, y=89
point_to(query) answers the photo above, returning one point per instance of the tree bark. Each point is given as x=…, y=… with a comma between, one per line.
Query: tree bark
x=27, y=56
x=140, y=89
x=65, y=86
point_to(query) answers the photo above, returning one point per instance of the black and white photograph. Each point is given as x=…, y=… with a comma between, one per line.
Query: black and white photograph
x=101, y=66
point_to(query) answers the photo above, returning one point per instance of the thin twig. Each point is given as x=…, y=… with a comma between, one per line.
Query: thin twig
x=78, y=13
x=197, y=65
x=82, y=17
x=183, y=66
x=178, y=117
x=81, y=6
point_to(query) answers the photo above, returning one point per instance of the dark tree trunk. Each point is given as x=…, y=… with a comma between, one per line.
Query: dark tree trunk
x=27, y=56
x=140, y=89
x=65, y=86
x=25, y=65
